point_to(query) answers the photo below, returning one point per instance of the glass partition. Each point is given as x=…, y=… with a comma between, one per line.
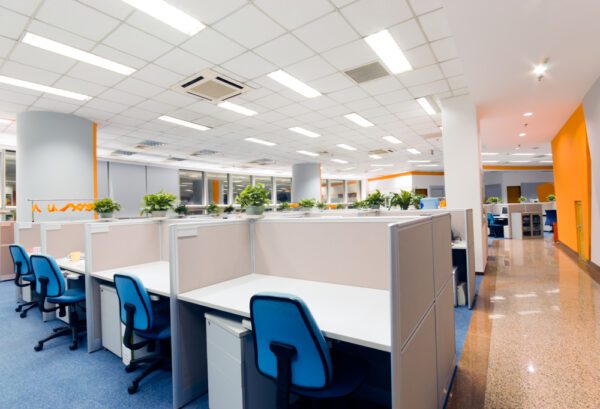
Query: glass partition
x=336, y=191
x=239, y=183
x=217, y=188
x=353, y=191
x=190, y=187
x=284, y=189
x=323, y=197
x=10, y=183
x=267, y=182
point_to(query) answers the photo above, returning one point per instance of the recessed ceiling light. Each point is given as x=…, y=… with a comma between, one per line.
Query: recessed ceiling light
x=520, y=161
x=414, y=151
x=374, y=156
x=388, y=50
x=392, y=139
x=304, y=132
x=339, y=161
x=308, y=153
x=540, y=69
x=489, y=161
x=430, y=165
x=523, y=154
x=375, y=170
x=347, y=147
x=359, y=120
x=181, y=122
x=43, y=88
x=386, y=165
x=76, y=54
x=168, y=14
x=419, y=161
x=522, y=134
x=489, y=153
x=294, y=84
x=546, y=161
x=5, y=121
x=347, y=169
x=261, y=141
x=237, y=108
x=548, y=154
x=528, y=114
x=427, y=105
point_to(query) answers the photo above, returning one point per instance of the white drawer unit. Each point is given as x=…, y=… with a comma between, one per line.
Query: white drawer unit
x=109, y=317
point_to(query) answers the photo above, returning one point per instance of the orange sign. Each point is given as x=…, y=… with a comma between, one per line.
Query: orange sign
x=74, y=207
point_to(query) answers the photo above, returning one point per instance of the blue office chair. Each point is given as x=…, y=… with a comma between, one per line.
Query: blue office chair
x=550, y=218
x=51, y=287
x=430, y=203
x=496, y=229
x=144, y=320
x=24, y=276
x=291, y=349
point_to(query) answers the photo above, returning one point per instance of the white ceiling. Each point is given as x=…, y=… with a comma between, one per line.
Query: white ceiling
x=314, y=40
x=499, y=43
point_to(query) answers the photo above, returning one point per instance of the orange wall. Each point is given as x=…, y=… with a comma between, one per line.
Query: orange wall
x=571, y=156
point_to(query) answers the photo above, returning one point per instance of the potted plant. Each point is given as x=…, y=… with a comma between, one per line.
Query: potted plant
x=321, y=206
x=284, y=207
x=401, y=200
x=229, y=209
x=358, y=204
x=493, y=200
x=157, y=204
x=415, y=200
x=306, y=204
x=340, y=206
x=181, y=209
x=523, y=199
x=213, y=209
x=106, y=207
x=253, y=199
x=375, y=200
x=551, y=198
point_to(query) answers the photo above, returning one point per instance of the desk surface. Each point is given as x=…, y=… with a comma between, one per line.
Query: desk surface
x=154, y=276
x=459, y=245
x=73, y=266
x=353, y=314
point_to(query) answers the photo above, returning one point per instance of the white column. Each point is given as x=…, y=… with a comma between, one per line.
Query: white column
x=56, y=161
x=229, y=190
x=306, y=181
x=462, y=167
x=273, y=190
x=345, y=199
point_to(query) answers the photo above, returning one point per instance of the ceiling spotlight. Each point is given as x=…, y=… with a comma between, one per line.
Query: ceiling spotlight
x=522, y=134
x=528, y=114
x=540, y=69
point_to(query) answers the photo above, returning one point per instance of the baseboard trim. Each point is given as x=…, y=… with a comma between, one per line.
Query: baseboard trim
x=588, y=266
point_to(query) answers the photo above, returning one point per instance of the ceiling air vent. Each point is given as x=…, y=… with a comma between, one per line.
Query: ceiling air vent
x=120, y=152
x=148, y=144
x=262, y=162
x=204, y=152
x=384, y=151
x=367, y=72
x=212, y=86
x=174, y=159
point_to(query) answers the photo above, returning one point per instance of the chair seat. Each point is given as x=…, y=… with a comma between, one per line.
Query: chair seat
x=28, y=277
x=348, y=374
x=71, y=296
x=161, y=328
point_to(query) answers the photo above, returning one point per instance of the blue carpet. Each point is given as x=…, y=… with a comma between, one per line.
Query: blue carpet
x=57, y=377
x=462, y=319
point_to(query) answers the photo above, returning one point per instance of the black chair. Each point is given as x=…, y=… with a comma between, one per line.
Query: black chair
x=24, y=276
x=550, y=218
x=496, y=229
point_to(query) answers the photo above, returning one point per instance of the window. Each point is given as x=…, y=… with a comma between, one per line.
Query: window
x=190, y=187
x=353, y=191
x=336, y=191
x=10, y=184
x=284, y=189
x=267, y=182
x=239, y=183
x=217, y=188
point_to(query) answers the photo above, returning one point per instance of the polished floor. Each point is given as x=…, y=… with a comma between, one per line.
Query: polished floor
x=534, y=338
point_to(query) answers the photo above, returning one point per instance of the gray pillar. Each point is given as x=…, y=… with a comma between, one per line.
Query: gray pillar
x=204, y=189
x=306, y=181
x=229, y=189
x=56, y=162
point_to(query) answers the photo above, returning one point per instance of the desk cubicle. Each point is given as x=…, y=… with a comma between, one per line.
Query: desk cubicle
x=7, y=233
x=380, y=284
x=514, y=212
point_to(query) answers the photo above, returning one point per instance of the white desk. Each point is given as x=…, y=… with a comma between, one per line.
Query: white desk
x=154, y=276
x=73, y=266
x=459, y=245
x=353, y=314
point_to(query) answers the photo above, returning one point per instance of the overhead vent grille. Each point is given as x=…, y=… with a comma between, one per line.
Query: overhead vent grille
x=149, y=144
x=120, y=152
x=174, y=159
x=384, y=151
x=262, y=162
x=204, y=152
x=212, y=86
x=367, y=72
x=435, y=135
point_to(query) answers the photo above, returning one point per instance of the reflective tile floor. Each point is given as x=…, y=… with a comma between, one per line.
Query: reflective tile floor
x=534, y=339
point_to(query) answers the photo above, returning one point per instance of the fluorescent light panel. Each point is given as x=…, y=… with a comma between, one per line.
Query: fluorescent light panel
x=546, y=161
x=261, y=141
x=5, y=121
x=392, y=139
x=520, y=161
x=358, y=120
x=418, y=161
x=76, y=54
x=181, y=122
x=426, y=105
x=429, y=165
x=304, y=132
x=43, y=88
x=523, y=154
x=347, y=147
x=168, y=14
x=307, y=153
x=489, y=153
x=414, y=151
x=237, y=108
x=489, y=161
x=528, y=114
x=294, y=84
x=374, y=156
x=339, y=161
x=386, y=165
x=388, y=50
x=347, y=169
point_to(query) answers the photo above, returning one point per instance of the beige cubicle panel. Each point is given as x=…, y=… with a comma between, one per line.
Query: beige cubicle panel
x=27, y=235
x=7, y=237
x=58, y=239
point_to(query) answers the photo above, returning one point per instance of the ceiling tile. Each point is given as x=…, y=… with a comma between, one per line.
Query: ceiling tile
x=158, y=76
x=212, y=46
x=452, y=67
x=362, y=104
x=175, y=98
x=421, y=76
x=155, y=106
x=429, y=89
x=294, y=14
x=27, y=73
x=348, y=94
x=319, y=103
x=156, y=28
x=76, y=85
x=393, y=97
x=242, y=26
x=444, y=49
x=137, y=87
x=457, y=82
x=435, y=25
x=26, y=7
x=104, y=105
x=135, y=42
x=54, y=105
x=208, y=11
x=273, y=101
x=12, y=24
x=372, y=16
x=17, y=97
x=249, y=65
x=36, y=57
x=424, y=6
x=95, y=74
x=382, y=85
x=338, y=32
x=94, y=115
x=408, y=34
x=125, y=98
x=57, y=34
x=420, y=56
x=351, y=55
x=77, y=19
x=331, y=83
x=311, y=68
x=284, y=50
x=183, y=62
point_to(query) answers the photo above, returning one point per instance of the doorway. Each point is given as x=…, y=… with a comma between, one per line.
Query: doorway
x=579, y=225
x=513, y=193
x=422, y=192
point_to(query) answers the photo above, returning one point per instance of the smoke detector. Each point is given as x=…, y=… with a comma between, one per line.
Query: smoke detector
x=212, y=86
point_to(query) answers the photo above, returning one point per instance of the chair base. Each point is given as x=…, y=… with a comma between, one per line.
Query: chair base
x=154, y=362
x=74, y=330
x=25, y=307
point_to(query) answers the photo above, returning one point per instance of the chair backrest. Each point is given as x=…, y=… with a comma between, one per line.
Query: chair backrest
x=19, y=255
x=285, y=318
x=430, y=203
x=550, y=216
x=490, y=219
x=45, y=267
x=130, y=290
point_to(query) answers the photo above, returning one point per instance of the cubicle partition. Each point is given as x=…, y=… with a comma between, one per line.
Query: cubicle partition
x=58, y=239
x=7, y=234
x=382, y=284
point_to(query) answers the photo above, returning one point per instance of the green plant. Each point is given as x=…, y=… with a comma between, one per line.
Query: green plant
x=375, y=199
x=493, y=200
x=213, y=209
x=255, y=195
x=284, y=206
x=551, y=198
x=106, y=205
x=340, y=206
x=307, y=203
x=401, y=200
x=359, y=204
x=181, y=209
x=229, y=209
x=522, y=199
x=321, y=206
x=158, y=202
x=415, y=200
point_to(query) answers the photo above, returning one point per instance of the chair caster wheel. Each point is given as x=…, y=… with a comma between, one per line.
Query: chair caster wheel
x=23, y=314
x=73, y=346
x=38, y=347
x=130, y=368
x=19, y=308
x=56, y=329
x=132, y=389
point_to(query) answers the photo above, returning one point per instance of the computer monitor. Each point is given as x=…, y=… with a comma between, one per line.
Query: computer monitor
x=504, y=210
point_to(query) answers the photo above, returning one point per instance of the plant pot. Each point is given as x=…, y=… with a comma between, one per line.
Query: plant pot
x=105, y=215
x=255, y=210
x=375, y=207
x=158, y=213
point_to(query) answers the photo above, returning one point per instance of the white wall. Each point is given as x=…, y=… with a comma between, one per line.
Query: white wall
x=391, y=185
x=591, y=109
x=306, y=181
x=516, y=178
